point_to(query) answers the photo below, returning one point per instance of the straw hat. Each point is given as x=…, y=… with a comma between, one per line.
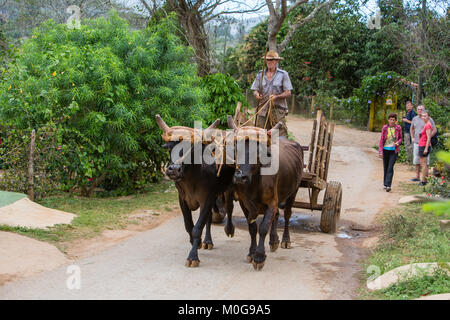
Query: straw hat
x=273, y=55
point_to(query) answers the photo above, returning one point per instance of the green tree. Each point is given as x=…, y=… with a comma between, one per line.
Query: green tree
x=100, y=87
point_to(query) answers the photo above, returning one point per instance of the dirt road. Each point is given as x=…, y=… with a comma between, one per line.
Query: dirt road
x=150, y=265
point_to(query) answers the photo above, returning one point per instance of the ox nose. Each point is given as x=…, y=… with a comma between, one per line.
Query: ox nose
x=174, y=171
x=240, y=178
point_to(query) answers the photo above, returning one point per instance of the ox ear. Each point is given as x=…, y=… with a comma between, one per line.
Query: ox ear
x=164, y=127
x=277, y=127
x=231, y=123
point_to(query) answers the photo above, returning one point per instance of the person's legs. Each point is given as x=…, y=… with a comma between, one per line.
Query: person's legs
x=416, y=159
x=390, y=168
x=385, y=165
x=424, y=169
x=281, y=116
x=424, y=165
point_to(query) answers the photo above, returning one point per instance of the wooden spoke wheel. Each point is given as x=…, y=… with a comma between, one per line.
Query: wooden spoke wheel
x=331, y=209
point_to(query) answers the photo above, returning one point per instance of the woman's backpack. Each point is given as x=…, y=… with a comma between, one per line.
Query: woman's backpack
x=434, y=139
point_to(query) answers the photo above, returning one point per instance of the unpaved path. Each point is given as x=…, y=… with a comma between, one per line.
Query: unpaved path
x=319, y=266
x=26, y=257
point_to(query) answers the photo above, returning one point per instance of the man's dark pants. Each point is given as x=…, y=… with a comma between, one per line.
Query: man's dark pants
x=389, y=158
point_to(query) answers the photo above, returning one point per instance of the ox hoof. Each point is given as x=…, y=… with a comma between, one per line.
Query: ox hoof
x=207, y=246
x=249, y=259
x=274, y=246
x=286, y=244
x=192, y=263
x=229, y=231
x=258, y=266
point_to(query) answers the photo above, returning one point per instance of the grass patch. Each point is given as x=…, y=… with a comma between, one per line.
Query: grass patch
x=411, y=188
x=95, y=215
x=417, y=286
x=410, y=236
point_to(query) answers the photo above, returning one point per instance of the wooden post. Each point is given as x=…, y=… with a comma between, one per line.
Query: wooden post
x=31, y=166
x=293, y=104
x=311, y=145
x=246, y=95
x=330, y=143
x=315, y=163
x=331, y=111
x=237, y=114
x=323, y=154
x=312, y=103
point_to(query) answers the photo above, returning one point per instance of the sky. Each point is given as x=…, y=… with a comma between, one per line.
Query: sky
x=369, y=9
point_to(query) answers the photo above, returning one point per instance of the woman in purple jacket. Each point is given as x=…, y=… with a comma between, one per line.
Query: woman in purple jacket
x=391, y=138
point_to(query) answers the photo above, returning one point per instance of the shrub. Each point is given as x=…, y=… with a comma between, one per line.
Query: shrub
x=439, y=113
x=99, y=88
x=223, y=94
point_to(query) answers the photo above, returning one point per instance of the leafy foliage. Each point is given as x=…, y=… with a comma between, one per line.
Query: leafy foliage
x=326, y=55
x=223, y=93
x=440, y=187
x=99, y=89
x=439, y=113
x=420, y=285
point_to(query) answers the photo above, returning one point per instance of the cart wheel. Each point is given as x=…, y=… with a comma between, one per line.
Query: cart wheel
x=331, y=209
x=217, y=216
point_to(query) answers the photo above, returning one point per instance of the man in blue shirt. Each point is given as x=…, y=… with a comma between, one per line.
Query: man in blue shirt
x=410, y=114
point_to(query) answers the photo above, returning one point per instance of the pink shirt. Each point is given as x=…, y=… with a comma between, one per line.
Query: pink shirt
x=423, y=134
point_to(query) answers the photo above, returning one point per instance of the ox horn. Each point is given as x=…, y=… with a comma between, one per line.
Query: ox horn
x=277, y=126
x=214, y=125
x=164, y=127
x=231, y=123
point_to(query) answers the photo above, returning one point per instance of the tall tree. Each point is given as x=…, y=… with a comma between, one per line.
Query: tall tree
x=278, y=14
x=193, y=15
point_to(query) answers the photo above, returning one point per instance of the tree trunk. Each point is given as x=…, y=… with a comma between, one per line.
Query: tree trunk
x=273, y=28
x=31, y=166
x=195, y=33
x=422, y=40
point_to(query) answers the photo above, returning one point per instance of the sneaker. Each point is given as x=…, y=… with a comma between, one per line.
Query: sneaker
x=388, y=189
x=421, y=183
x=384, y=187
x=414, y=180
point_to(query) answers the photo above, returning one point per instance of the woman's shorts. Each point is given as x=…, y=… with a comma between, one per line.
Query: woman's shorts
x=421, y=152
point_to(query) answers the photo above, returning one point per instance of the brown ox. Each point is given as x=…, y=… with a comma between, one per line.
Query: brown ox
x=263, y=194
x=198, y=185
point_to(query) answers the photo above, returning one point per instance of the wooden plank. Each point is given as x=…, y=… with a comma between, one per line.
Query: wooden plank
x=311, y=145
x=330, y=143
x=306, y=205
x=237, y=114
x=319, y=146
x=313, y=100
x=308, y=176
x=314, y=150
x=324, y=152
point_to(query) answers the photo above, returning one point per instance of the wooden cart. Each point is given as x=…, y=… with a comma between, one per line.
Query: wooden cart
x=316, y=172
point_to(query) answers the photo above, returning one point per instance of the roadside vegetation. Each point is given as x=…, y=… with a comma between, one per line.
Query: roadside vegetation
x=412, y=234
